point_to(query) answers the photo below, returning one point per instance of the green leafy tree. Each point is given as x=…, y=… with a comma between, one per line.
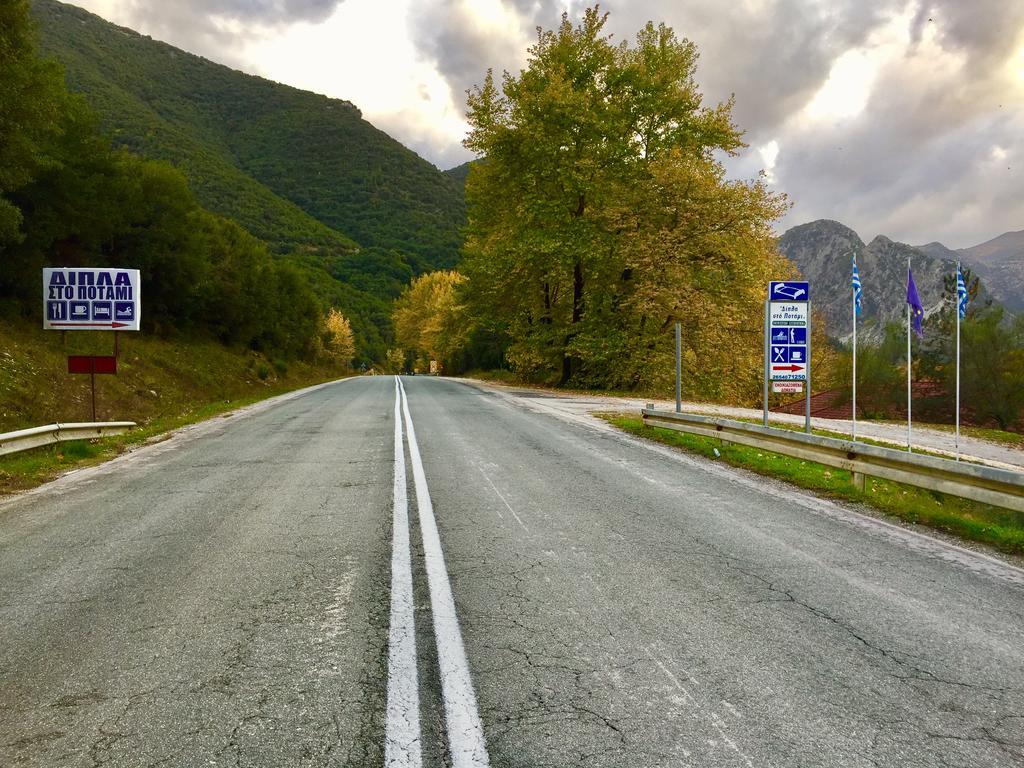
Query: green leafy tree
x=66, y=197
x=32, y=98
x=881, y=373
x=992, y=367
x=938, y=352
x=601, y=215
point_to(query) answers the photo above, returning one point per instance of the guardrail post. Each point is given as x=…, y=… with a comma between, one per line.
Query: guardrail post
x=859, y=481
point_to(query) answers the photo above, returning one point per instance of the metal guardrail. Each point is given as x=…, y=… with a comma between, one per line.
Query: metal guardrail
x=24, y=439
x=1000, y=487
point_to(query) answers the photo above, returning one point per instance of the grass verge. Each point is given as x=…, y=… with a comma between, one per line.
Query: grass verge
x=892, y=445
x=161, y=383
x=999, y=528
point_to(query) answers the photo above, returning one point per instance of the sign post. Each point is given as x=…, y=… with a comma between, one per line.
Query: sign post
x=92, y=364
x=807, y=400
x=767, y=355
x=788, y=342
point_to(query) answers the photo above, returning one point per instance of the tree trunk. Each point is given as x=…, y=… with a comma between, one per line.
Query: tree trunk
x=568, y=361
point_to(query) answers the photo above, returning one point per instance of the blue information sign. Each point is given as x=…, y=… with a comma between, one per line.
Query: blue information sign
x=787, y=330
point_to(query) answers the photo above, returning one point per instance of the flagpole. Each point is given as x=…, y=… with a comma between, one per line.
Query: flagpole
x=956, y=442
x=853, y=412
x=909, y=447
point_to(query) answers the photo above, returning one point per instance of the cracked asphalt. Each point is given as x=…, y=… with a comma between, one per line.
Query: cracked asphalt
x=221, y=599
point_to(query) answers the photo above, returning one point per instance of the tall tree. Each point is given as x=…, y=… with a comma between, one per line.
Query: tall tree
x=992, y=376
x=599, y=198
x=429, y=319
x=31, y=99
x=338, y=341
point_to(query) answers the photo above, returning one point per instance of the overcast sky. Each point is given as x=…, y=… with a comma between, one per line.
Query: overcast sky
x=895, y=117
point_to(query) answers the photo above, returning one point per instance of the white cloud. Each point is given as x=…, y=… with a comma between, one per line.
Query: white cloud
x=898, y=116
x=846, y=92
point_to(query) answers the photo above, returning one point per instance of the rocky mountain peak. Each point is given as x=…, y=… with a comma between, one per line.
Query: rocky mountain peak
x=823, y=251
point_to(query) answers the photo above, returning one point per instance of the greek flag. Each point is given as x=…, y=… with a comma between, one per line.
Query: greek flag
x=962, y=297
x=856, y=285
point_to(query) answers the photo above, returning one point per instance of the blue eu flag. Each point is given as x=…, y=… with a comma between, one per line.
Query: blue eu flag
x=916, y=310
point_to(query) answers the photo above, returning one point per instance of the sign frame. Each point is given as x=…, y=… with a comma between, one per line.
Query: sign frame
x=92, y=299
x=787, y=342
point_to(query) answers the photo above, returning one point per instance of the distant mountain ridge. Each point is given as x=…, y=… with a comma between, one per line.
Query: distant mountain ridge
x=999, y=262
x=823, y=251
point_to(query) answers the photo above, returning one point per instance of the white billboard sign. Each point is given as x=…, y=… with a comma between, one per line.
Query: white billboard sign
x=86, y=299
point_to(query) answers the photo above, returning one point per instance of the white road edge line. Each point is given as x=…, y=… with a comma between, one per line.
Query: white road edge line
x=402, y=745
x=465, y=731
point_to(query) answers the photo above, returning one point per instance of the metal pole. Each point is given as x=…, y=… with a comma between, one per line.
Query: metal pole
x=807, y=400
x=767, y=353
x=909, y=447
x=853, y=411
x=92, y=386
x=679, y=367
x=956, y=302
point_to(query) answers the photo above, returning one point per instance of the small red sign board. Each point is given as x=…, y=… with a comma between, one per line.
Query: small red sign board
x=92, y=364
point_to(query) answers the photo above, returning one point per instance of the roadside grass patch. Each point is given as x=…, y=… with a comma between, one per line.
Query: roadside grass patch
x=892, y=444
x=161, y=383
x=1000, y=528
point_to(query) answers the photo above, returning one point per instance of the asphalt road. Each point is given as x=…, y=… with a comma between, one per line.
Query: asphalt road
x=467, y=576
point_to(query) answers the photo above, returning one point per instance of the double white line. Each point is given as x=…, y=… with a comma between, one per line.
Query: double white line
x=402, y=741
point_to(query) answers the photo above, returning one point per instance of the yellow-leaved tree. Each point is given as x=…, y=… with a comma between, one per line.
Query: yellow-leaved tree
x=430, y=319
x=338, y=340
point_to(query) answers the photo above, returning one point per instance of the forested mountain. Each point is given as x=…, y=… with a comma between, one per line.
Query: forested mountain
x=302, y=172
x=288, y=165
x=459, y=173
x=823, y=250
x=67, y=197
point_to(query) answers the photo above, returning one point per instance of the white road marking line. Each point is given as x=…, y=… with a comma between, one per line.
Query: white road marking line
x=503, y=501
x=402, y=747
x=465, y=731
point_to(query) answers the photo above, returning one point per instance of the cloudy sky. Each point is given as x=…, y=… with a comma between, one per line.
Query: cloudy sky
x=902, y=117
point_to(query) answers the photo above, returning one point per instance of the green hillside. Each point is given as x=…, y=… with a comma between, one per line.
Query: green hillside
x=288, y=165
x=459, y=173
x=302, y=172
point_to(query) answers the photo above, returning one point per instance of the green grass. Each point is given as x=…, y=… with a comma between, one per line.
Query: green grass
x=999, y=528
x=892, y=445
